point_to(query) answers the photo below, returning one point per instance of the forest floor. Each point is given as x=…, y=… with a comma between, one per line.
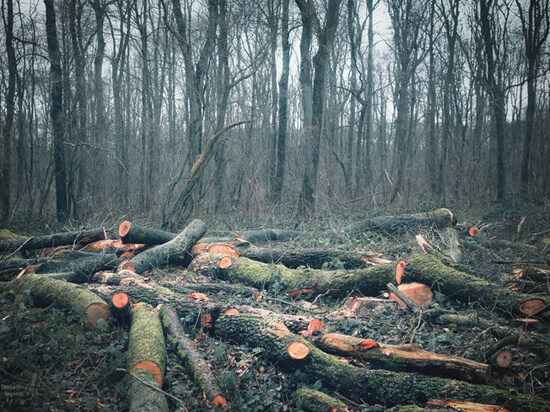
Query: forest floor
x=48, y=361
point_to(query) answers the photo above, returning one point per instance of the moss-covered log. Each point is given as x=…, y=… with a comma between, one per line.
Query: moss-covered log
x=427, y=269
x=194, y=363
x=142, y=395
x=81, y=264
x=370, y=280
x=376, y=386
x=168, y=253
x=410, y=223
x=403, y=358
x=296, y=257
x=310, y=400
x=146, y=348
x=57, y=239
x=45, y=291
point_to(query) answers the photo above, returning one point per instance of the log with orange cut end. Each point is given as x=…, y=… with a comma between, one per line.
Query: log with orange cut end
x=146, y=348
x=297, y=350
x=223, y=249
x=504, y=358
x=201, y=297
x=464, y=406
x=225, y=262
x=419, y=293
x=473, y=231
x=402, y=357
x=231, y=311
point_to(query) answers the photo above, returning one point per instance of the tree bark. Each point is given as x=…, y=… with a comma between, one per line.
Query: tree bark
x=315, y=401
x=81, y=265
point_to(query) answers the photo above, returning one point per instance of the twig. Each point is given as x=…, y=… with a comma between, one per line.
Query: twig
x=412, y=306
x=18, y=249
x=151, y=386
x=293, y=305
x=417, y=326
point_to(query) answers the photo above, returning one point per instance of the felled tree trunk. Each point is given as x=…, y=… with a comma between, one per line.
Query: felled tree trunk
x=427, y=269
x=195, y=365
x=45, y=291
x=369, y=281
x=146, y=348
x=168, y=253
x=82, y=265
x=376, y=386
x=141, y=393
x=58, y=239
x=133, y=233
x=146, y=360
x=438, y=219
x=308, y=399
x=312, y=257
x=403, y=358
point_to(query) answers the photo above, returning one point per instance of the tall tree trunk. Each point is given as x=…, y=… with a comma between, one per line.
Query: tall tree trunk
x=283, y=99
x=80, y=84
x=56, y=113
x=431, y=144
x=325, y=40
x=367, y=172
x=496, y=92
x=10, y=108
x=223, y=97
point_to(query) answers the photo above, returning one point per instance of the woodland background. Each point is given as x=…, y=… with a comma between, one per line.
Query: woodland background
x=106, y=105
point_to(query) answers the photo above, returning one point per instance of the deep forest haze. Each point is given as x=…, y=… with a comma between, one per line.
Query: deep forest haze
x=168, y=108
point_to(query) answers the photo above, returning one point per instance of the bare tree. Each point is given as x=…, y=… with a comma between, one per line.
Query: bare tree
x=56, y=112
x=7, y=17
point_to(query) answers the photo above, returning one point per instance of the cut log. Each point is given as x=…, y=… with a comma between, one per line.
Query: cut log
x=82, y=265
x=58, y=239
x=296, y=257
x=411, y=223
x=121, y=305
x=142, y=394
x=168, y=253
x=404, y=358
x=146, y=348
x=504, y=358
x=374, y=386
x=194, y=364
x=370, y=280
x=45, y=291
x=427, y=269
x=297, y=350
x=412, y=295
x=133, y=233
x=310, y=400
x=465, y=406
x=213, y=288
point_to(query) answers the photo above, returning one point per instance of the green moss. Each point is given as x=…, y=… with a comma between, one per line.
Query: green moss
x=146, y=338
x=317, y=401
x=6, y=234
